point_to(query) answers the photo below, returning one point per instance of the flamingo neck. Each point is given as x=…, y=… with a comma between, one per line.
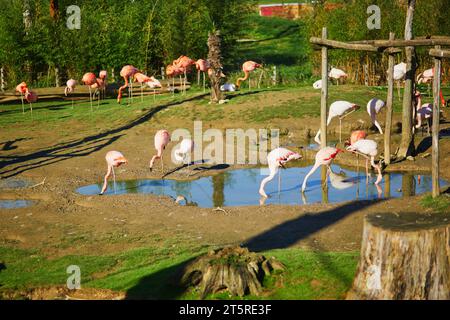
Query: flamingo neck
x=246, y=75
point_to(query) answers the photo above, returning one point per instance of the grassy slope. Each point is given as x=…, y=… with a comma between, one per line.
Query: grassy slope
x=149, y=272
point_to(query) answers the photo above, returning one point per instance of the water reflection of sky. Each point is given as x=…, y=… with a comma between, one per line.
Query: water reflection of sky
x=13, y=204
x=240, y=187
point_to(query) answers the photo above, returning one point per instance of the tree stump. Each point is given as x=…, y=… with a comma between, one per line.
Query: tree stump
x=233, y=268
x=404, y=256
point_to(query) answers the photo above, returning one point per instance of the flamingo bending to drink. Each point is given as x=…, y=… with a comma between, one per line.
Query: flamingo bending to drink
x=127, y=72
x=374, y=106
x=22, y=89
x=368, y=149
x=276, y=159
x=202, y=67
x=31, y=97
x=162, y=138
x=70, y=87
x=323, y=157
x=113, y=159
x=247, y=67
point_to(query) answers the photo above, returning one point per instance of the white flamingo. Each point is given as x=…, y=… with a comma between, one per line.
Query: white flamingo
x=399, y=75
x=425, y=112
x=339, y=109
x=323, y=157
x=368, y=149
x=374, y=106
x=337, y=74
x=276, y=159
x=185, y=149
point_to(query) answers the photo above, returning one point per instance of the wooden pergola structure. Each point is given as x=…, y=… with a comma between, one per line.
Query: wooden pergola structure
x=390, y=47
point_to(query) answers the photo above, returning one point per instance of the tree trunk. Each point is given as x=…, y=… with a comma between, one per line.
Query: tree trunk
x=404, y=257
x=407, y=143
x=233, y=268
x=215, y=62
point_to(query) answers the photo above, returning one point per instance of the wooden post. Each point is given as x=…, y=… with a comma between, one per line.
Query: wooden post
x=404, y=257
x=163, y=75
x=407, y=142
x=324, y=93
x=390, y=96
x=435, y=127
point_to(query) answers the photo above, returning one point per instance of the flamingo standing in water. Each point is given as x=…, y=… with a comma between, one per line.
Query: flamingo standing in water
x=356, y=136
x=337, y=74
x=185, y=149
x=70, y=87
x=31, y=97
x=126, y=73
x=203, y=67
x=162, y=138
x=22, y=89
x=276, y=159
x=151, y=82
x=339, y=109
x=247, y=67
x=373, y=107
x=89, y=79
x=323, y=157
x=113, y=159
x=368, y=149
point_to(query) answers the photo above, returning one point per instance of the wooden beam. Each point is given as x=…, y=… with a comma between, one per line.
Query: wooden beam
x=342, y=45
x=389, y=110
x=438, y=53
x=411, y=43
x=324, y=92
x=435, y=127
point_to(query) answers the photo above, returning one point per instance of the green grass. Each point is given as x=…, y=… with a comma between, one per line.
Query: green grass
x=438, y=204
x=151, y=272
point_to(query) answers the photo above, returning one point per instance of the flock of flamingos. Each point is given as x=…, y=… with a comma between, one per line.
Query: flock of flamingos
x=278, y=157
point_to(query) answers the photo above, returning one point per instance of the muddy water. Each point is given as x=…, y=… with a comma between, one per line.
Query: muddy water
x=240, y=187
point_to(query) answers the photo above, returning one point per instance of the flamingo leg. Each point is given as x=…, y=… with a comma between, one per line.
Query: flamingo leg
x=367, y=170
x=376, y=166
x=204, y=82
x=273, y=171
x=105, y=182
x=314, y=168
x=198, y=77
x=90, y=97
x=142, y=93
x=173, y=86
x=131, y=90
x=279, y=182
x=340, y=129
x=31, y=108
x=114, y=178
x=23, y=106
x=154, y=94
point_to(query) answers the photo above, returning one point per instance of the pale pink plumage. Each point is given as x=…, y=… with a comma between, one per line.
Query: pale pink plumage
x=162, y=138
x=70, y=86
x=323, y=157
x=374, y=106
x=113, y=159
x=127, y=72
x=276, y=159
x=369, y=149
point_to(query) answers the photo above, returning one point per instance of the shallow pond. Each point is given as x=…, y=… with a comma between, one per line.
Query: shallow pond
x=240, y=187
x=14, y=204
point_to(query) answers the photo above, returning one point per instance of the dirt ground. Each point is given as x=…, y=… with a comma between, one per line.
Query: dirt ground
x=63, y=222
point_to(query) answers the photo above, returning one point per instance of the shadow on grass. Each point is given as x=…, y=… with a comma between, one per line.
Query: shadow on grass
x=163, y=284
x=16, y=164
x=290, y=232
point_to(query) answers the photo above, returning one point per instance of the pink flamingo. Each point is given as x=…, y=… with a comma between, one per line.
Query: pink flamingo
x=162, y=138
x=276, y=159
x=89, y=79
x=22, y=89
x=368, y=149
x=202, y=67
x=152, y=82
x=356, y=136
x=31, y=97
x=425, y=112
x=184, y=63
x=247, y=67
x=99, y=87
x=103, y=75
x=323, y=157
x=70, y=87
x=113, y=159
x=127, y=72
x=172, y=71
